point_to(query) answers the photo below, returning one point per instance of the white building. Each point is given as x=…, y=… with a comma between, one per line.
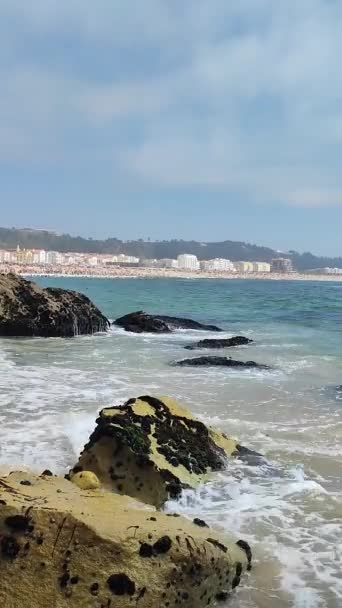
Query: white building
x=167, y=263
x=243, y=266
x=69, y=260
x=51, y=257
x=186, y=261
x=218, y=265
x=4, y=256
x=93, y=261
x=42, y=256
x=282, y=265
x=125, y=259
x=261, y=267
x=60, y=258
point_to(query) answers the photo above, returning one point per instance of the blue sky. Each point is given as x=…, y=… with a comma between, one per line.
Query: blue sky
x=195, y=119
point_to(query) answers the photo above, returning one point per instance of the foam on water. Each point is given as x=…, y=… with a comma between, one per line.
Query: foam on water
x=289, y=511
x=278, y=513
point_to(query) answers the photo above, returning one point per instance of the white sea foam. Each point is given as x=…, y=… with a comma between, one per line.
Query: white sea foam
x=290, y=511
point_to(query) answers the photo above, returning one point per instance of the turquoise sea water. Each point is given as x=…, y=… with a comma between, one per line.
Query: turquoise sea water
x=291, y=513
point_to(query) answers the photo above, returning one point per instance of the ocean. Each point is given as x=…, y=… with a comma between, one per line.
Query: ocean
x=291, y=510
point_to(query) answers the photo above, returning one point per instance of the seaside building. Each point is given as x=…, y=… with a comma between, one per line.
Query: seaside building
x=69, y=260
x=124, y=259
x=42, y=256
x=261, y=267
x=51, y=257
x=244, y=267
x=281, y=265
x=218, y=265
x=92, y=261
x=167, y=263
x=6, y=257
x=186, y=261
x=149, y=263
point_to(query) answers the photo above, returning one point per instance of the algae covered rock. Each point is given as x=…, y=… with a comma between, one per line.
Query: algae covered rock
x=212, y=361
x=219, y=343
x=141, y=321
x=28, y=310
x=151, y=448
x=63, y=547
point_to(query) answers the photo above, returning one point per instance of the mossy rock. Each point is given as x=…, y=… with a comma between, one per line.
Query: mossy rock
x=63, y=547
x=27, y=310
x=150, y=448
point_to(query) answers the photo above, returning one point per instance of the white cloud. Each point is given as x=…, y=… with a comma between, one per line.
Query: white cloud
x=315, y=197
x=242, y=95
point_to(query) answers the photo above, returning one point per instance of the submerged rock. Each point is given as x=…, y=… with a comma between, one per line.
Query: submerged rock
x=151, y=448
x=139, y=322
x=29, y=310
x=72, y=548
x=219, y=361
x=219, y=342
x=181, y=323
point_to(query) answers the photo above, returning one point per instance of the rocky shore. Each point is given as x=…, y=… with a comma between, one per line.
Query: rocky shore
x=151, y=448
x=96, y=538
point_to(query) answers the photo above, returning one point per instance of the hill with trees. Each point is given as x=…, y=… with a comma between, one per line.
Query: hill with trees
x=28, y=238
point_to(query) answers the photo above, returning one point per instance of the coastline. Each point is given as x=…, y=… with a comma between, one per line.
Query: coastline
x=158, y=273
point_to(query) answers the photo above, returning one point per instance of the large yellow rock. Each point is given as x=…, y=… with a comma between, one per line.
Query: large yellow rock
x=151, y=448
x=63, y=547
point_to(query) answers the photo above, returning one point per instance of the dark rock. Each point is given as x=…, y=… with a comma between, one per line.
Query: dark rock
x=208, y=361
x=139, y=322
x=121, y=584
x=248, y=456
x=181, y=323
x=246, y=548
x=217, y=544
x=200, y=522
x=27, y=310
x=145, y=550
x=219, y=343
x=163, y=545
x=19, y=523
x=94, y=588
x=222, y=596
x=9, y=547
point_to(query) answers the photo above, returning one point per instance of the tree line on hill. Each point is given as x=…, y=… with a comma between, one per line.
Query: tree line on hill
x=233, y=250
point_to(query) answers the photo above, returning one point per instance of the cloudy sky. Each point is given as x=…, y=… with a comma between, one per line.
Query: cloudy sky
x=204, y=119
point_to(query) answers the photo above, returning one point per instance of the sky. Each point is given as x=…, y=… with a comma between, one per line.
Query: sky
x=196, y=119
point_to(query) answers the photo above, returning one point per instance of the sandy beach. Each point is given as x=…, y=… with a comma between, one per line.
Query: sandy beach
x=150, y=273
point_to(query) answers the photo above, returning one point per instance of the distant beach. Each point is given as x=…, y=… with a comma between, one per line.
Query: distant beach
x=165, y=273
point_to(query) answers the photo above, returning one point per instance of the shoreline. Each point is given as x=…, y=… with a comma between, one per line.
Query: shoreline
x=162, y=273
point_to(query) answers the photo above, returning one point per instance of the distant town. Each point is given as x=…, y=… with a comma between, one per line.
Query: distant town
x=55, y=261
x=39, y=261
